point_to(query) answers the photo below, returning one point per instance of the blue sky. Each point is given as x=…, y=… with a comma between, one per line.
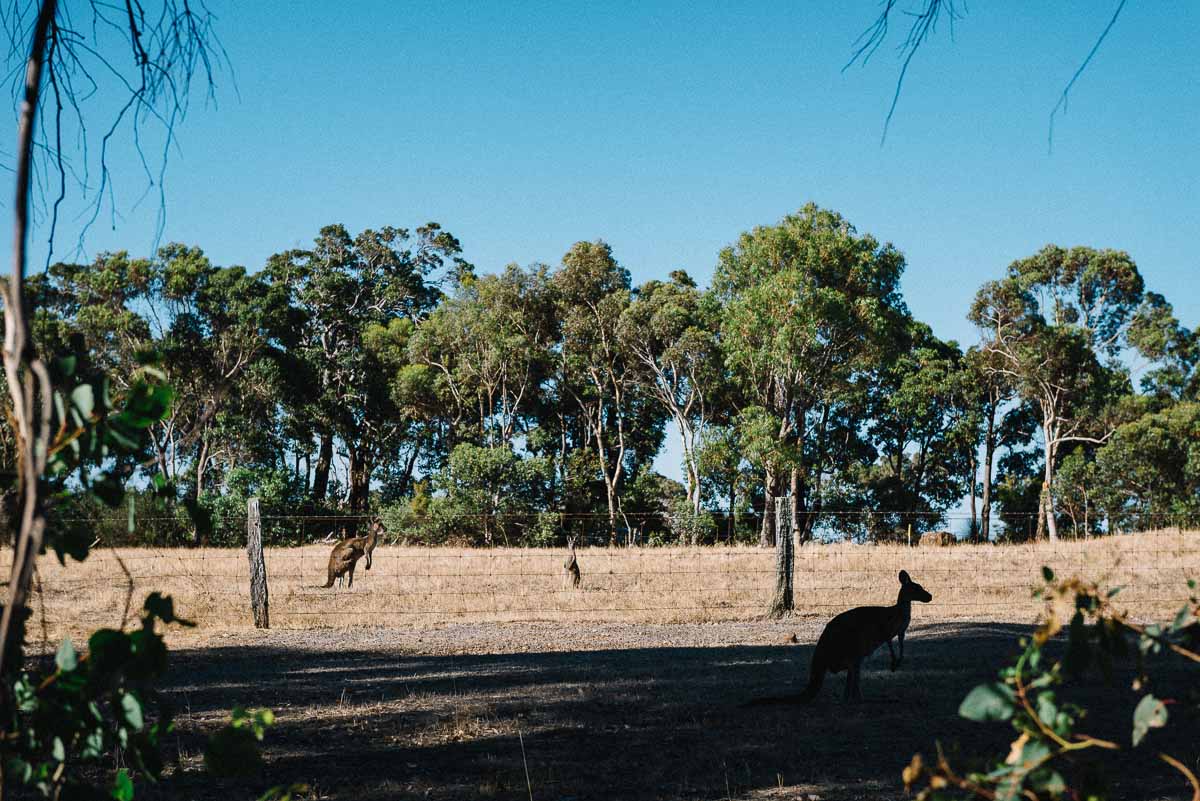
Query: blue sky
x=668, y=128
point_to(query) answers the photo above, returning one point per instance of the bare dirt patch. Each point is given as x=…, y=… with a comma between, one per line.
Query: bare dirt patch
x=615, y=711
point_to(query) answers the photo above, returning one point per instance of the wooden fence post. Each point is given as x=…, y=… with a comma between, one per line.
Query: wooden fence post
x=783, y=602
x=258, y=568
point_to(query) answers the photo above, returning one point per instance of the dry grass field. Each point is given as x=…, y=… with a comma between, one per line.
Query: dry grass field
x=413, y=586
x=457, y=674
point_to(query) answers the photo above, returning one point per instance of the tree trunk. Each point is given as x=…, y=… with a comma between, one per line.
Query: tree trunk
x=766, y=533
x=360, y=482
x=971, y=492
x=1046, y=508
x=732, y=522
x=989, y=452
x=794, y=506
x=324, y=461
x=27, y=377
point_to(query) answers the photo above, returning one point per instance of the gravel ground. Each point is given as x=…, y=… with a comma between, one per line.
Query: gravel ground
x=615, y=711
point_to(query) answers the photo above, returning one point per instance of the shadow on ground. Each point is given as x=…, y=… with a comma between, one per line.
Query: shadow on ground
x=647, y=723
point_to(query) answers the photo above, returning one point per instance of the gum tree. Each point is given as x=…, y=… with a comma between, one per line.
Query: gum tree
x=670, y=329
x=808, y=305
x=1046, y=326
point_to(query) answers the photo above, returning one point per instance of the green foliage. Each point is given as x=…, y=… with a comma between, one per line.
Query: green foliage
x=800, y=370
x=1045, y=759
x=1149, y=471
x=689, y=527
x=72, y=720
x=233, y=750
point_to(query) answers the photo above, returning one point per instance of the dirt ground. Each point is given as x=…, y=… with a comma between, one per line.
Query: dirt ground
x=614, y=711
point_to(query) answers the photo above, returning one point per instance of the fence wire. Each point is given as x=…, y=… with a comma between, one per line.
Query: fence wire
x=413, y=585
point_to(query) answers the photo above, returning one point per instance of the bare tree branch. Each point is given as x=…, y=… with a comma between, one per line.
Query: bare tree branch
x=1062, y=100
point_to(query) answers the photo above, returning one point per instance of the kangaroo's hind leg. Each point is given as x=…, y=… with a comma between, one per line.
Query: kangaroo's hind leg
x=853, y=689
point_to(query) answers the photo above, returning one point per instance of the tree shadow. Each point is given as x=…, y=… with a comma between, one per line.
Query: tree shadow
x=646, y=723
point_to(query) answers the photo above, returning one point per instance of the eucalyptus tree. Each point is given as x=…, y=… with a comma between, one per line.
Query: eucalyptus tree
x=671, y=331
x=925, y=425
x=211, y=327
x=1148, y=473
x=596, y=372
x=1172, y=350
x=220, y=330
x=342, y=287
x=995, y=391
x=1046, y=326
x=490, y=347
x=808, y=305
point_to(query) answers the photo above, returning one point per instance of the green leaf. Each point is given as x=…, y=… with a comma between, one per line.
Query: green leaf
x=66, y=659
x=1150, y=713
x=122, y=786
x=83, y=398
x=58, y=751
x=131, y=709
x=993, y=701
x=19, y=769
x=232, y=752
x=1183, y=619
x=1047, y=573
x=93, y=744
x=109, y=489
x=1047, y=710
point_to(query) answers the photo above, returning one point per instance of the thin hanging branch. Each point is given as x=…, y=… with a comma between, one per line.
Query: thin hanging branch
x=924, y=23
x=1062, y=99
x=923, y=26
x=168, y=50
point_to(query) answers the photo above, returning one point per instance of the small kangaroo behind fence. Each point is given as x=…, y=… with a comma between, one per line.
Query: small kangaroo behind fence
x=854, y=635
x=346, y=554
x=571, y=566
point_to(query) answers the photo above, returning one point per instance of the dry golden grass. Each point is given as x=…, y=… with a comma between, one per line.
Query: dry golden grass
x=413, y=586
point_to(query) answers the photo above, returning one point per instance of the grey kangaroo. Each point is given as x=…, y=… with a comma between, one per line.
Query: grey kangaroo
x=347, y=553
x=852, y=636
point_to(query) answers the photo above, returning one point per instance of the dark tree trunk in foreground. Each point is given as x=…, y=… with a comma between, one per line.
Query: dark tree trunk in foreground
x=324, y=462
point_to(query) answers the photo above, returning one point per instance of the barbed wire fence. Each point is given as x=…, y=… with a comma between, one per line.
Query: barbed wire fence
x=417, y=585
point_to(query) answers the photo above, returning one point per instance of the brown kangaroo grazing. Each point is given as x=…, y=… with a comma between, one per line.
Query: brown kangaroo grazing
x=347, y=553
x=852, y=636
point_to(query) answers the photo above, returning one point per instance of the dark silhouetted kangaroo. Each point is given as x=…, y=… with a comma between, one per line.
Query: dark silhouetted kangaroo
x=854, y=635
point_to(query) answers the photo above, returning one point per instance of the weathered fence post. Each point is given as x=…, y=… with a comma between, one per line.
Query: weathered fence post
x=782, y=603
x=258, y=568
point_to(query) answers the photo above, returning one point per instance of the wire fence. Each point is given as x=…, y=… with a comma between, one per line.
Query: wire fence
x=413, y=585
x=174, y=527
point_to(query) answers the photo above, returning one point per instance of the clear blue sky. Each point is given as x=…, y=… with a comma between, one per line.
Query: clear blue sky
x=667, y=129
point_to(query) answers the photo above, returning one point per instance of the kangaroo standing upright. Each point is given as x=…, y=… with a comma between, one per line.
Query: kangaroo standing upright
x=571, y=566
x=347, y=553
x=854, y=635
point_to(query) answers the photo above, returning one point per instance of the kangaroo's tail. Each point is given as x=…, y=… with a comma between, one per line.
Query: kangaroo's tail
x=816, y=677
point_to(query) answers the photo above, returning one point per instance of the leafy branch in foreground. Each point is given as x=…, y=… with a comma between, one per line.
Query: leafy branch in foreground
x=1048, y=738
x=91, y=706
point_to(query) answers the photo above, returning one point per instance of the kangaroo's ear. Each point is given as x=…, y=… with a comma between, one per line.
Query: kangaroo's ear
x=904, y=577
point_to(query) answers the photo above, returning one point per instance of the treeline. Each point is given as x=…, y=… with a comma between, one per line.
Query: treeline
x=380, y=373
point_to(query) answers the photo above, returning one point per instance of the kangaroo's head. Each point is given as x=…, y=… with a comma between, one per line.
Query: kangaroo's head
x=911, y=590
